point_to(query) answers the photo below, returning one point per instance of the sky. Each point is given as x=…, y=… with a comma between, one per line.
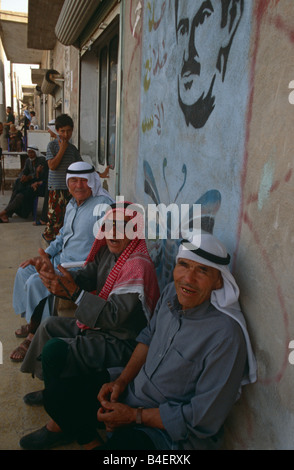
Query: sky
x=14, y=5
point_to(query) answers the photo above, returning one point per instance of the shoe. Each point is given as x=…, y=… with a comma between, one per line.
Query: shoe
x=39, y=222
x=43, y=439
x=34, y=398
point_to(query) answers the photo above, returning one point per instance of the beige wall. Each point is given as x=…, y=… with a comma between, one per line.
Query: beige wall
x=265, y=417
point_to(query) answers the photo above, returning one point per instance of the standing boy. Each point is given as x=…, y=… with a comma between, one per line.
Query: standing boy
x=60, y=154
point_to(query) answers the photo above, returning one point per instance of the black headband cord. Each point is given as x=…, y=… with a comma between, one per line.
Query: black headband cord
x=209, y=256
x=80, y=172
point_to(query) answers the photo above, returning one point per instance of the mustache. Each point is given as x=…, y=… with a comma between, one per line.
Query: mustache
x=190, y=66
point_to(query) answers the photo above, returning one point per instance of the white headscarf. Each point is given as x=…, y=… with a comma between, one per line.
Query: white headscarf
x=51, y=126
x=211, y=252
x=35, y=149
x=87, y=171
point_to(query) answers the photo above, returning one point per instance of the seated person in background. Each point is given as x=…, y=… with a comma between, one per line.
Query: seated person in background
x=15, y=139
x=183, y=377
x=3, y=138
x=31, y=183
x=30, y=297
x=121, y=273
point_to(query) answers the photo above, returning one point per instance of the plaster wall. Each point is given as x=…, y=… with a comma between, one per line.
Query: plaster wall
x=264, y=263
x=66, y=60
x=238, y=164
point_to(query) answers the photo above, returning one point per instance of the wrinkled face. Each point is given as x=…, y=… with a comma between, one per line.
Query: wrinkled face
x=115, y=234
x=79, y=189
x=65, y=133
x=194, y=282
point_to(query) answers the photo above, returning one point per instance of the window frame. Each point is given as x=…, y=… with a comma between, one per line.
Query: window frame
x=111, y=34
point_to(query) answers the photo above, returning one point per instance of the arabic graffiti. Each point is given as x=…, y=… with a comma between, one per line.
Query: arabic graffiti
x=148, y=123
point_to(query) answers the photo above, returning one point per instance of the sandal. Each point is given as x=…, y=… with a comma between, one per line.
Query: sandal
x=23, y=331
x=20, y=351
x=39, y=222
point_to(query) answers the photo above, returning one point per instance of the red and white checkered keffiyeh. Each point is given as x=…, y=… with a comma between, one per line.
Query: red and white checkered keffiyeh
x=133, y=272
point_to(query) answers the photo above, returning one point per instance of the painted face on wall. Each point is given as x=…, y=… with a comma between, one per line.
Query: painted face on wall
x=204, y=32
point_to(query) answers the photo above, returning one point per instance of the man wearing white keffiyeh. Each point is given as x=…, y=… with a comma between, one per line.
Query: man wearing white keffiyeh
x=214, y=254
x=72, y=245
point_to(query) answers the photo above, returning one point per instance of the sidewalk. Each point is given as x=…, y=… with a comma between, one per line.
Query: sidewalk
x=19, y=240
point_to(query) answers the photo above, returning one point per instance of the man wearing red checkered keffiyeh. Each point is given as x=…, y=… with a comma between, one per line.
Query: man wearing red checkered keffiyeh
x=116, y=292
x=133, y=271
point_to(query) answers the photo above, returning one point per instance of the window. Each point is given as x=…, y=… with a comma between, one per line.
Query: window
x=108, y=62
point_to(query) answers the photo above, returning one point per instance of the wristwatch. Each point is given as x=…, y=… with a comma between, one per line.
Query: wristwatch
x=139, y=415
x=76, y=294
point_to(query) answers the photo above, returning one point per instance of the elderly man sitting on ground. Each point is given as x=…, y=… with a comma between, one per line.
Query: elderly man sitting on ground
x=102, y=334
x=30, y=297
x=183, y=377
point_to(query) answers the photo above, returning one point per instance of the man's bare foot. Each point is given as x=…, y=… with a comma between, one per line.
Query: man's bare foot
x=19, y=353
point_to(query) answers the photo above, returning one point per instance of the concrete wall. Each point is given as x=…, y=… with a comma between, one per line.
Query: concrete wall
x=66, y=60
x=237, y=160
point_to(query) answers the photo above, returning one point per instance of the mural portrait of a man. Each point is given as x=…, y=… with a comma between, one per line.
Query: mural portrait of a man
x=204, y=31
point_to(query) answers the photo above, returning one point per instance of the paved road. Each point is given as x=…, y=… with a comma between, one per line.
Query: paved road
x=19, y=240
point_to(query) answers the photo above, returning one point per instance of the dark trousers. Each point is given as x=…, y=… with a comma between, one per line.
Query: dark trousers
x=72, y=402
x=21, y=200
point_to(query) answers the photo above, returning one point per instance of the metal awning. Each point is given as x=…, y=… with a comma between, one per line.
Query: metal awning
x=14, y=32
x=73, y=19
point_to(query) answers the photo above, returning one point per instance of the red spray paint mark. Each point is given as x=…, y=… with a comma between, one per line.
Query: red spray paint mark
x=278, y=376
